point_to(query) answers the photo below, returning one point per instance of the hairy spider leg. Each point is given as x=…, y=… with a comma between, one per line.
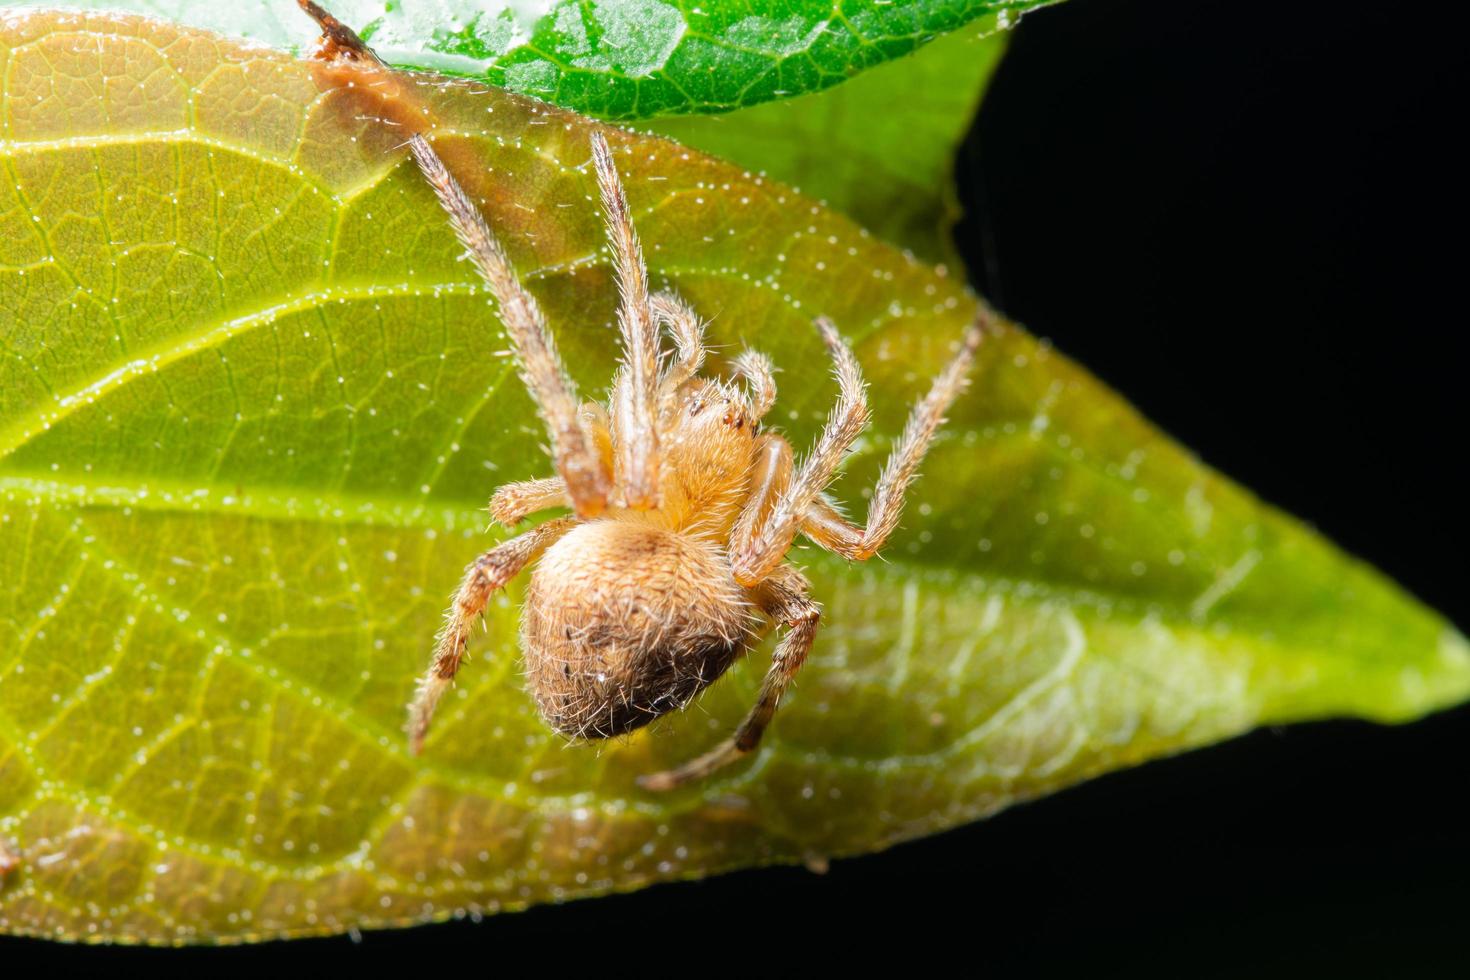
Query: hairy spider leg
x=785, y=598
x=482, y=579
x=821, y=521
x=770, y=475
x=573, y=445
x=804, y=508
x=687, y=331
x=635, y=392
x=760, y=377
x=755, y=558
x=513, y=502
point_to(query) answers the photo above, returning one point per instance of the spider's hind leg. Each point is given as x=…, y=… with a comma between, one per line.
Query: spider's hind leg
x=784, y=597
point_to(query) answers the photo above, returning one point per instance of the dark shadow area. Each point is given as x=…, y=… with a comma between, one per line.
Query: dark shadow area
x=1248, y=219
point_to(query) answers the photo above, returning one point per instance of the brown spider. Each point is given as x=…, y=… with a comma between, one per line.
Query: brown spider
x=684, y=508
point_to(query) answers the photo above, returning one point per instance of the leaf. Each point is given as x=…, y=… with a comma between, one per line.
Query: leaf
x=880, y=148
x=251, y=407
x=619, y=59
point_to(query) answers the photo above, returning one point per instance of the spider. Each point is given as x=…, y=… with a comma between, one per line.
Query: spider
x=684, y=507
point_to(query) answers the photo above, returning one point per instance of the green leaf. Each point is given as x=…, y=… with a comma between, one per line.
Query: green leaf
x=618, y=59
x=251, y=407
x=880, y=148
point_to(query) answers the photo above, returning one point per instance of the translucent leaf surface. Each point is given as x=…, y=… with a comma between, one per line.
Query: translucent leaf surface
x=619, y=59
x=251, y=407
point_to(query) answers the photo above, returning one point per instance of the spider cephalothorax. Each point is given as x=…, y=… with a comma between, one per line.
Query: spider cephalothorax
x=683, y=508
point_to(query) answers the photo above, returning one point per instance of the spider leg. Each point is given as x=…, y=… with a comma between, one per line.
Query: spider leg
x=687, y=331
x=573, y=448
x=485, y=575
x=513, y=502
x=753, y=560
x=572, y=445
x=822, y=523
x=760, y=375
x=770, y=475
x=635, y=392
x=784, y=598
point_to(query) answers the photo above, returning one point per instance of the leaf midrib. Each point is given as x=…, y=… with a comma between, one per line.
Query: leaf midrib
x=335, y=506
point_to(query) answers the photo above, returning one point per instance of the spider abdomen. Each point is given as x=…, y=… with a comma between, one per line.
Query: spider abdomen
x=624, y=622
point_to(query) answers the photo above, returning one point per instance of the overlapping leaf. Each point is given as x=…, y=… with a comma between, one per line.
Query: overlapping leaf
x=620, y=59
x=879, y=148
x=251, y=406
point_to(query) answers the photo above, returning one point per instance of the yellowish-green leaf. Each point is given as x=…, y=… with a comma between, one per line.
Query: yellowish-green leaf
x=251, y=407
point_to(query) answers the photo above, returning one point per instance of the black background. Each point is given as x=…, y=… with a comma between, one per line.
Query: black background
x=1248, y=219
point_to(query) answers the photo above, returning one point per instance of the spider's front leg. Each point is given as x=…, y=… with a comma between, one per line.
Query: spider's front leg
x=513, y=502
x=759, y=547
x=687, y=331
x=635, y=392
x=802, y=506
x=785, y=598
x=573, y=444
x=821, y=522
x=486, y=574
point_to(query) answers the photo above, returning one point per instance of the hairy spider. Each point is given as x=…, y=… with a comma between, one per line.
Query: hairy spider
x=684, y=508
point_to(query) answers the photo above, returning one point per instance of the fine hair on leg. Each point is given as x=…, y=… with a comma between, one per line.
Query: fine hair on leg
x=822, y=522
x=572, y=445
x=482, y=579
x=849, y=417
x=635, y=392
x=760, y=376
x=513, y=502
x=687, y=331
x=784, y=597
x=770, y=474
